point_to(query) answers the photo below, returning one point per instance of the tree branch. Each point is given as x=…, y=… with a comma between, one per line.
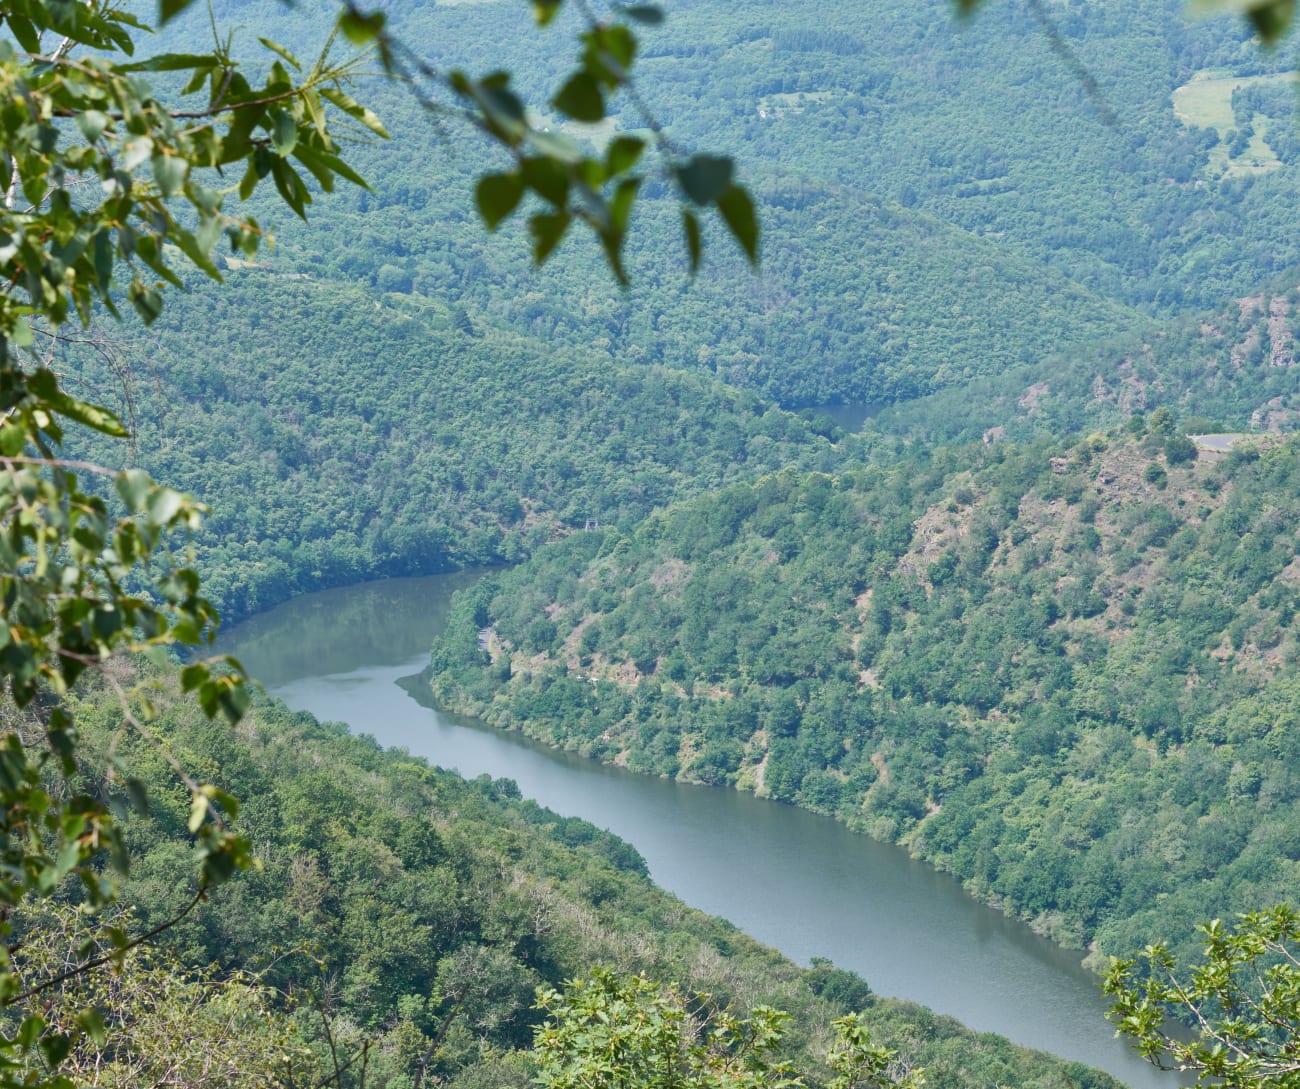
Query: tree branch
x=100, y=961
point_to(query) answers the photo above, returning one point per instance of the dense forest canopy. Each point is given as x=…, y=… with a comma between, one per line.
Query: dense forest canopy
x=1062, y=668
x=1065, y=673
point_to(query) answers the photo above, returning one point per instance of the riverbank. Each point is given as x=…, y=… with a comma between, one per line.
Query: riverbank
x=794, y=880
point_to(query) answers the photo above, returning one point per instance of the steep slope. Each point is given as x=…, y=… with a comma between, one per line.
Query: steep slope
x=340, y=435
x=1232, y=368
x=422, y=910
x=1066, y=674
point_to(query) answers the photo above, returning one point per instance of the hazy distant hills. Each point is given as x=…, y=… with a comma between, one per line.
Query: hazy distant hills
x=1233, y=368
x=940, y=201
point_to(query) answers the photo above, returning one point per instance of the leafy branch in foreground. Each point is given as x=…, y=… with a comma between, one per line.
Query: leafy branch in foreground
x=1243, y=1002
x=598, y=190
x=105, y=190
x=615, y=1031
x=108, y=190
x=149, y=1022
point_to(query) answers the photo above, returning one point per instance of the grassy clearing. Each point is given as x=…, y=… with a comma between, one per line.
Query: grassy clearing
x=597, y=136
x=593, y=137
x=1205, y=101
x=778, y=105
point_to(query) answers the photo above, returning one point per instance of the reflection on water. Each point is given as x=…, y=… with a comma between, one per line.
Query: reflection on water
x=799, y=882
x=852, y=418
x=335, y=631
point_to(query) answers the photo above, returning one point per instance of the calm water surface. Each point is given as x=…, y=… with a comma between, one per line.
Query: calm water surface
x=799, y=882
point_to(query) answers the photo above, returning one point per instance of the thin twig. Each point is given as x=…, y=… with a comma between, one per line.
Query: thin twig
x=97, y=962
x=1071, y=60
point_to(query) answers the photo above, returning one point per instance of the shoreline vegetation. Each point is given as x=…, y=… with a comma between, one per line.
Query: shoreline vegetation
x=384, y=880
x=1059, y=672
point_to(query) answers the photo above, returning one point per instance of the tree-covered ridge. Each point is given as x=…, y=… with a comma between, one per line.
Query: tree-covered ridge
x=1063, y=673
x=340, y=436
x=1231, y=368
x=938, y=203
x=420, y=912
x=933, y=305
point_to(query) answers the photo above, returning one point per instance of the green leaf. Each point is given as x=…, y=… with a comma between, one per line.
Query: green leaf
x=612, y=241
x=737, y=210
x=544, y=10
x=275, y=47
x=705, y=178
x=174, y=62
x=89, y=1021
x=620, y=208
x=291, y=188
x=234, y=146
x=343, y=170
x=1272, y=20
x=354, y=109
x=233, y=701
x=581, y=99
x=21, y=334
x=136, y=151
x=56, y=1045
x=134, y=486
x=30, y=1030
x=147, y=300
x=502, y=110
x=547, y=229
x=169, y=9
x=92, y=416
x=24, y=31
x=198, y=812
x=169, y=172
x=623, y=153
x=609, y=52
x=691, y=226
x=201, y=257
x=137, y=795
x=497, y=195
x=228, y=802
x=102, y=255
x=284, y=132
x=648, y=14
x=92, y=124
x=361, y=28
x=547, y=178
x=163, y=505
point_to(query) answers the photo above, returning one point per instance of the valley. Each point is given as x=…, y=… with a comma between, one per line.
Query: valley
x=892, y=581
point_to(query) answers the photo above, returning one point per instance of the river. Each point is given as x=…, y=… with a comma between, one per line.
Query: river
x=796, y=881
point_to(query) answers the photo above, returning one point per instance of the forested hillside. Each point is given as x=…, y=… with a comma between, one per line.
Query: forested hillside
x=1231, y=369
x=392, y=350
x=340, y=436
x=940, y=201
x=1062, y=668
x=1065, y=673
x=402, y=906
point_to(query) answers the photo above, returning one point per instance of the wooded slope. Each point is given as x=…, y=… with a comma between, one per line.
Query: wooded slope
x=1065, y=673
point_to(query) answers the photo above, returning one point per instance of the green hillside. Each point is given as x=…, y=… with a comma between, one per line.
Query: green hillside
x=1066, y=674
x=940, y=201
x=340, y=435
x=1231, y=368
x=421, y=911
x=1062, y=668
